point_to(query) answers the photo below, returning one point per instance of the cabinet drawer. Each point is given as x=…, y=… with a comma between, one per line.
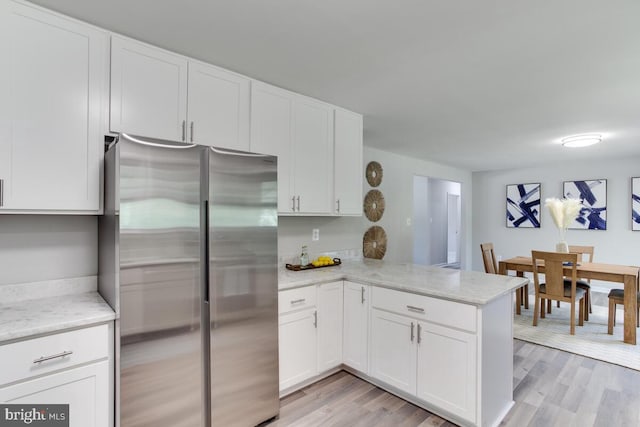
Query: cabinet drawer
x=448, y=313
x=296, y=299
x=21, y=360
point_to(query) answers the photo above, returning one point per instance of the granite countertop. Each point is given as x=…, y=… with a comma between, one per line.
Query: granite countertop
x=470, y=287
x=24, y=313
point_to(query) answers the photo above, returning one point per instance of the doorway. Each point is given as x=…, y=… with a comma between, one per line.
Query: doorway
x=437, y=222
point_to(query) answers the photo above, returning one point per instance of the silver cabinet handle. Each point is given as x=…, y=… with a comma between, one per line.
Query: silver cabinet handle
x=338, y=203
x=191, y=131
x=419, y=333
x=54, y=356
x=411, y=331
x=293, y=203
x=184, y=130
x=298, y=301
x=1, y=193
x=315, y=319
x=418, y=309
x=298, y=199
x=362, y=295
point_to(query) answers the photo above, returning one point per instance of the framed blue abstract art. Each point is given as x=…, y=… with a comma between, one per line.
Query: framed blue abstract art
x=593, y=196
x=523, y=205
x=635, y=204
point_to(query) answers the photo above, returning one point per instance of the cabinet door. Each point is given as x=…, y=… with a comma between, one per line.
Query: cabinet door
x=329, y=325
x=298, y=347
x=271, y=115
x=52, y=110
x=447, y=370
x=355, y=330
x=148, y=90
x=313, y=156
x=218, y=107
x=348, y=163
x=85, y=390
x=393, y=350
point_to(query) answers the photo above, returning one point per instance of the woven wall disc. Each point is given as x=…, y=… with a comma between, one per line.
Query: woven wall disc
x=374, y=205
x=374, y=174
x=374, y=242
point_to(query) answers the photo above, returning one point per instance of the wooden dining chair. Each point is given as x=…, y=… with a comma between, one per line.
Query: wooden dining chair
x=585, y=254
x=491, y=267
x=555, y=287
x=616, y=296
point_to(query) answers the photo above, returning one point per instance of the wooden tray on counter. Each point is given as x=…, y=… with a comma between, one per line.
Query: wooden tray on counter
x=298, y=267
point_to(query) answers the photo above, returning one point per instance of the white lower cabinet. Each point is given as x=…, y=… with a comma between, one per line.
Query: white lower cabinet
x=393, y=350
x=355, y=330
x=330, y=302
x=65, y=368
x=298, y=347
x=310, y=332
x=84, y=389
x=419, y=345
x=452, y=358
x=446, y=369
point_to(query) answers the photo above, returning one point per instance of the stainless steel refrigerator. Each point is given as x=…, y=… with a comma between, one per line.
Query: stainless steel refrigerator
x=188, y=259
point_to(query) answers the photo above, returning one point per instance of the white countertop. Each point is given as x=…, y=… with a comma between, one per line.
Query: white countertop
x=27, y=315
x=470, y=287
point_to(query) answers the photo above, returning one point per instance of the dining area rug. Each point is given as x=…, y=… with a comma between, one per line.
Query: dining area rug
x=590, y=340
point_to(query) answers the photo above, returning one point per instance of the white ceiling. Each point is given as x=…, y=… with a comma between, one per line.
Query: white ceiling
x=480, y=85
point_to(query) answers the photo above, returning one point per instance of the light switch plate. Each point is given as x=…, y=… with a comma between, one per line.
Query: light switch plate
x=315, y=234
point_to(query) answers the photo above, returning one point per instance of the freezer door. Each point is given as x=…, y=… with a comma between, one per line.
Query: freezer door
x=243, y=288
x=162, y=380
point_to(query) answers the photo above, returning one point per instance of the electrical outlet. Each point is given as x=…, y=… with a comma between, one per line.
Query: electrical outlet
x=315, y=234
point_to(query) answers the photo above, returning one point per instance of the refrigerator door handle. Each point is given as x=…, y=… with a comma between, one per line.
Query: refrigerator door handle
x=238, y=153
x=207, y=284
x=153, y=142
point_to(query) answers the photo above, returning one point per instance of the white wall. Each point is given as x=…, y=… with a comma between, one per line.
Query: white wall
x=618, y=244
x=397, y=188
x=46, y=247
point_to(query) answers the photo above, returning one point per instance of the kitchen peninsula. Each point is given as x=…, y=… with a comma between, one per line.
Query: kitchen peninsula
x=439, y=338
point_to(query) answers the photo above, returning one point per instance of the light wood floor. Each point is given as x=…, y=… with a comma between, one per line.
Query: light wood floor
x=551, y=388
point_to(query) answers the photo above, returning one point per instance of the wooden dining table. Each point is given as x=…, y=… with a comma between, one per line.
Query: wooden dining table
x=628, y=275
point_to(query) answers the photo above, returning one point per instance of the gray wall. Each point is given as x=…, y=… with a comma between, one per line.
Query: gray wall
x=430, y=219
x=438, y=217
x=45, y=247
x=618, y=244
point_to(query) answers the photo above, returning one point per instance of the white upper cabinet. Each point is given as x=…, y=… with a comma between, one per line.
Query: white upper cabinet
x=299, y=130
x=148, y=90
x=348, y=163
x=53, y=101
x=312, y=156
x=271, y=133
x=160, y=94
x=218, y=107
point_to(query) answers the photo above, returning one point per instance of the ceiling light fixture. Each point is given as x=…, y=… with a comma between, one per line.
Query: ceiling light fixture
x=584, y=140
